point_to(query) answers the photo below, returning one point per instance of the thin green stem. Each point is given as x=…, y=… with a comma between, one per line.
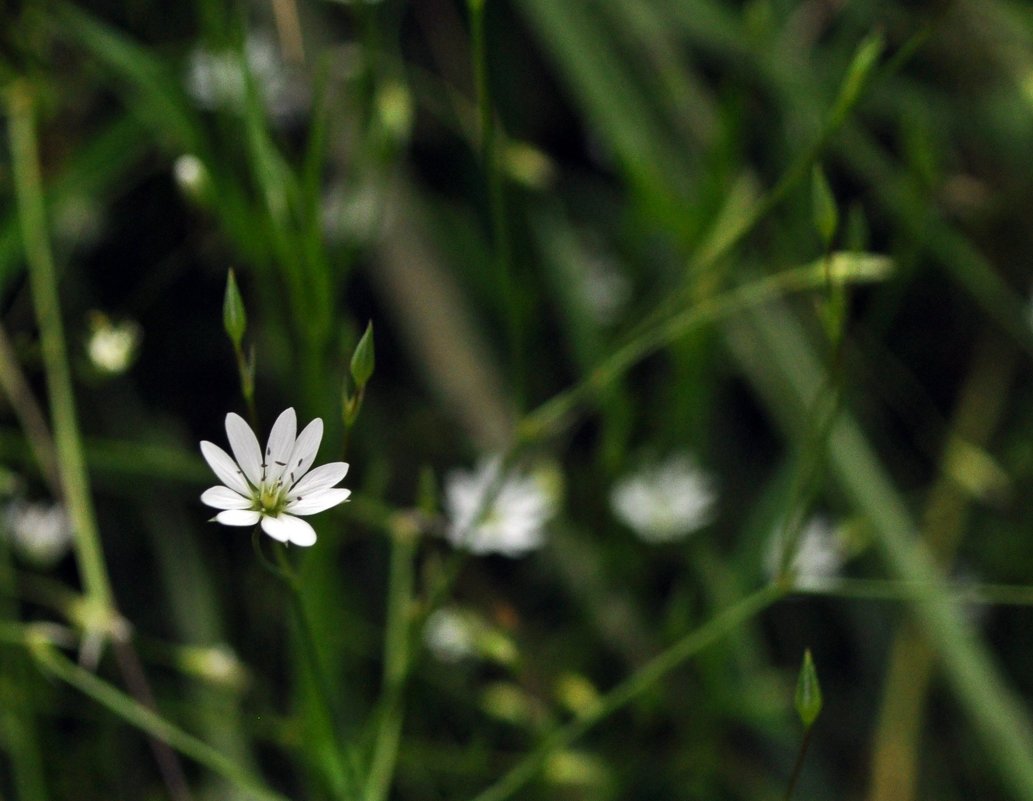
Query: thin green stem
x=43, y=279
x=396, y=661
x=339, y=770
x=494, y=178
x=629, y=689
x=798, y=766
x=553, y=415
x=29, y=414
x=56, y=664
x=890, y=590
x=17, y=718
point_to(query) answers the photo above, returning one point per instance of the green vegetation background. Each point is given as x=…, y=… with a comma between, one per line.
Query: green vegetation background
x=669, y=143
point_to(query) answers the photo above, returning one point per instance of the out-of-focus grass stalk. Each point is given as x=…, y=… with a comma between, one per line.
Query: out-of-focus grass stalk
x=56, y=664
x=17, y=722
x=894, y=773
x=43, y=278
x=404, y=536
x=724, y=238
x=995, y=710
x=629, y=689
x=491, y=164
x=954, y=594
x=29, y=415
x=102, y=613
x=554, y=414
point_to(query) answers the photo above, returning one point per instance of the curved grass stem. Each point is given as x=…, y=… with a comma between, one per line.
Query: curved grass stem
x=629, y=689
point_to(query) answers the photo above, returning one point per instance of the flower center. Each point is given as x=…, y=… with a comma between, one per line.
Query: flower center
x=271, y=499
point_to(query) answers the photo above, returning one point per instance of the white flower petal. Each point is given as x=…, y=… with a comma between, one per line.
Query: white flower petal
x=224, y=467
x=287, y=528
x=281, y=443
x=304, y=452
x=245, y=447
x=318, y=501
x=225, y=498
x=326, y=475
x=238, y=517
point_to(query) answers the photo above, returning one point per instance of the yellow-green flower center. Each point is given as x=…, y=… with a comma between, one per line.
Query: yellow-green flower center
x=271, y=500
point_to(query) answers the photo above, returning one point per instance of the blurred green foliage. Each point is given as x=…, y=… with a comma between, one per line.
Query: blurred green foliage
x=555, y=217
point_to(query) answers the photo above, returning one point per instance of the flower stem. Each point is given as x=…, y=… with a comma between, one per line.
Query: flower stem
x=339, y=769
x=491, y=164
x=135, y=713
x=798, y=767
x=629, y=689
x=396, y=660
x=43, y=279
x=71, y=461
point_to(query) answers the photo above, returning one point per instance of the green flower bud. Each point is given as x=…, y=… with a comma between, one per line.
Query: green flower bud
x=234, y=319
x=363, y=360
x=808, y=692
x=823, y=207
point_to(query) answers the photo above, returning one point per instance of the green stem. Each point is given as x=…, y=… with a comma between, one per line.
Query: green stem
x=396, y=662
x=17, y=718
x=629, y=689
x=136, y=714
x=491, y=164
x=555, y=413
x=339, y=770
x=890, y=590
x=798, y=767
x=43, y=279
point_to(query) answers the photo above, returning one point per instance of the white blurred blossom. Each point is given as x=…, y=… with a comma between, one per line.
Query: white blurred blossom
x=603, y=289
x=112, y=346
x=216, y=80
x=40, y=532
x=191, y=176
x=491, y=511
x=666, y=501
x=820, y=553
x=450, y=634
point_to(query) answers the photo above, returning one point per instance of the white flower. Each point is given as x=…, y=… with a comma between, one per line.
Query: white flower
x=820, y=553
x=217, y=80
x=112, y=346
x=666, y=501
x=275, y=489
x=41, y=532
x=450, y=634
x=492, y=512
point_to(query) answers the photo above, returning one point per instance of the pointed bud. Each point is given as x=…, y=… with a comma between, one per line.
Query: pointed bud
x=234, y=319
x=823, y=207
x=866, y=57
x=808, y=692
x=363, y=360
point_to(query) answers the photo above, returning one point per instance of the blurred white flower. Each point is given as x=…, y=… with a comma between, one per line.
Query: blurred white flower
x=450, y=634
x=273, y=489
x=820, y=553
x=191, y=176
x=112, y=346
x=217, y=80
x=603, y=288
x=494, y=512
x=217, y=664
x=40, y=532
x=666, y=501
